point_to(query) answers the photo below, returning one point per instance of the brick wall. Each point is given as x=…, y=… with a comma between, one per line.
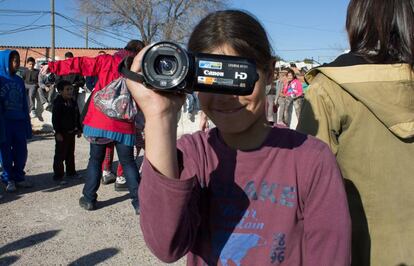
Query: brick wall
x=43, y=52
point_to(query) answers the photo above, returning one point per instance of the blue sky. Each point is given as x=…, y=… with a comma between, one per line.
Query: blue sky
x=297, y=29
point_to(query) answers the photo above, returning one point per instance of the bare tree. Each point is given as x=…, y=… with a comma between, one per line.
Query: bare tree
x=154, y=19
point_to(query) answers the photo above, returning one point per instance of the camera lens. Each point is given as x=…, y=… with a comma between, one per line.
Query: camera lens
x=166, y=65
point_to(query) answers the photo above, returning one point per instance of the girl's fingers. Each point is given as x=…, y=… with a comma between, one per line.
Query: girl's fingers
x=136, y=64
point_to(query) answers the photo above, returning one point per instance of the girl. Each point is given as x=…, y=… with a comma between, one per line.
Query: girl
x=362, y=106
x=293, y=96
x=237, y=193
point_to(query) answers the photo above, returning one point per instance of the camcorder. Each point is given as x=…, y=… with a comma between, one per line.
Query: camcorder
x=168, y=67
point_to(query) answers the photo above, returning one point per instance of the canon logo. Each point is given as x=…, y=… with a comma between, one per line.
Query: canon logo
x=213, y=73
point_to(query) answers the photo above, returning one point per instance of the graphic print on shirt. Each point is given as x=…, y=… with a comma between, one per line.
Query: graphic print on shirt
x=12, y=95
x=238, y=231
x=236, y=247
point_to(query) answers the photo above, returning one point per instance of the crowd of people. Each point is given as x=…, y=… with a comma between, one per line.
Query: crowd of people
x=250, y=190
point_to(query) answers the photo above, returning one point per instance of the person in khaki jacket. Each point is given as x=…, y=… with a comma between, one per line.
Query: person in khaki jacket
x=362, y=105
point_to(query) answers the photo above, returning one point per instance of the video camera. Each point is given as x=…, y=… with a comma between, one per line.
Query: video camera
x=168, y=67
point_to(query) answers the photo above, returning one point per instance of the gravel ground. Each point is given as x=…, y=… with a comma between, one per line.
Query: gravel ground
x=44, y=225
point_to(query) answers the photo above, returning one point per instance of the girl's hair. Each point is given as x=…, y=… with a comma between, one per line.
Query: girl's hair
x=291, y=72
x=382, y=30
x=237, y=29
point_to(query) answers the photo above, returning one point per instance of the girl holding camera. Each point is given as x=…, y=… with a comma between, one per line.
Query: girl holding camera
x=244, y=191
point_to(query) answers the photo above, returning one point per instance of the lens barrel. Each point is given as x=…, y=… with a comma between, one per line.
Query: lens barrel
x=165, y=66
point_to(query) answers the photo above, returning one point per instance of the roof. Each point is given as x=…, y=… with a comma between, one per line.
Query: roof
x=67, y=48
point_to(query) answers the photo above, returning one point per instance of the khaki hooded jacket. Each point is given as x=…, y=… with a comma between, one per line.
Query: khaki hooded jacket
x=365, y=113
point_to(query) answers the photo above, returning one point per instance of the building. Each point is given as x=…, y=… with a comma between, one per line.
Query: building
x=40, y=54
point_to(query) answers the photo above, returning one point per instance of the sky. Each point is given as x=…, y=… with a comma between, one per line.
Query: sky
x=297, y=29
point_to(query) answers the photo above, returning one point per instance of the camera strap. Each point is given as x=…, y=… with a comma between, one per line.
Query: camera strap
x=124, y=69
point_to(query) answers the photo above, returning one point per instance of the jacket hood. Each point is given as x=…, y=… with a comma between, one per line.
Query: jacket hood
x=387, y=90
x=4, y=62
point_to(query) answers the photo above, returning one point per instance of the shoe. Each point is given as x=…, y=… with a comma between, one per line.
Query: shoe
x=24, y=184
x=75, y=176
x=11, y=186
x=33, y=114
x=120, y=184
x=107, y=177
x=87, y=205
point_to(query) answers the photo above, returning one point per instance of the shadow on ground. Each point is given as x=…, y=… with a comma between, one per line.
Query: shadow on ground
x=96, y=257
x=24, y=243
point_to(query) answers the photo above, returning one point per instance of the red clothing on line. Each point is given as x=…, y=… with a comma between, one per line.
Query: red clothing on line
x=106, y=68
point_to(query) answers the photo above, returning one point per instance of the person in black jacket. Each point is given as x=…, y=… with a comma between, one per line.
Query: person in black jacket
x=30, y=77
x=66, y=123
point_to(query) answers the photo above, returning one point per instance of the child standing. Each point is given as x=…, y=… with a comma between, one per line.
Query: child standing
x=243, y=193
x=66, y=123
x=30, y=77
x=17, y=125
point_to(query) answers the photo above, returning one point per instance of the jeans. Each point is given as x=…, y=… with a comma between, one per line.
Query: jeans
x=46, y=96
x=271, y=116
x=14, y=151
x=31, y=91
x=64, y=152
x=94, y=171
x=281, y=102
x=297, y=105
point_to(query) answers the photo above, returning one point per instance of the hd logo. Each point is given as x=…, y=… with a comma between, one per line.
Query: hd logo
x=240, y=75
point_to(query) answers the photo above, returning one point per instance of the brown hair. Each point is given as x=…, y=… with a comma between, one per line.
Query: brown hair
x=134, y=46
x=236, y=28
x=382, y=30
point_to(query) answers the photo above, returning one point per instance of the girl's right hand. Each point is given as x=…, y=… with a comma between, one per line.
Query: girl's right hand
x=154, y=104
x=44, y=69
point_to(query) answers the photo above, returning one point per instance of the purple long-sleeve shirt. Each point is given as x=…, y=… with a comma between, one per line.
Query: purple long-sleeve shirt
x=281, y=204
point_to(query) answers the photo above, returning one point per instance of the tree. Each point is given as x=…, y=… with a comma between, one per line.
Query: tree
x=155, y=20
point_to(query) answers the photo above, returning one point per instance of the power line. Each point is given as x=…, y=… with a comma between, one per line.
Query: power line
x=110, y=34
x=300, y=27
x=25, y=29
x=99, y=29
x=80, y=35
x=309, y=49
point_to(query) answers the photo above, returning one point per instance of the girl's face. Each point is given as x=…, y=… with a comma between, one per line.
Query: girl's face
x=67, y=92
x=289, y=77
x=234, y=114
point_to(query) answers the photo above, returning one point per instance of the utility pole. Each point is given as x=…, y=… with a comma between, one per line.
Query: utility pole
x=86, y=33
x=52, y=4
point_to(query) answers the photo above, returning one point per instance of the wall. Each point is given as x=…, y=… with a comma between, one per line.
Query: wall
x=42, y=52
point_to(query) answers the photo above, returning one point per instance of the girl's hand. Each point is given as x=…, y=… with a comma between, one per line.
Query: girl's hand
x=203, y=125
x=44, y=69
x=154, y=104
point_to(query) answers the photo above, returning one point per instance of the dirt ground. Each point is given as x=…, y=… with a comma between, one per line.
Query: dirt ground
x=44, y=225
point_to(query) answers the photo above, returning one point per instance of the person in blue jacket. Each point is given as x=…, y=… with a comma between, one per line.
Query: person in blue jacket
x=17, y=128
x=2, y=138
